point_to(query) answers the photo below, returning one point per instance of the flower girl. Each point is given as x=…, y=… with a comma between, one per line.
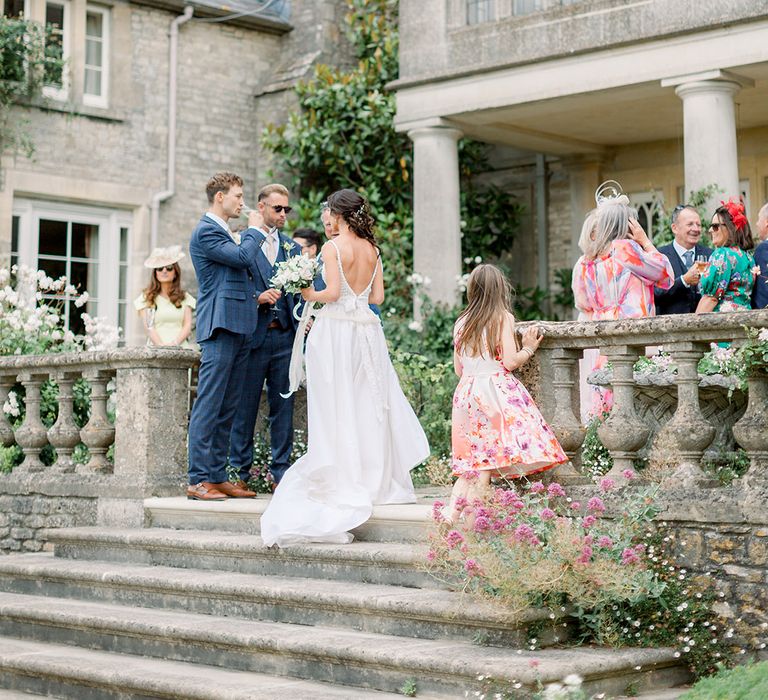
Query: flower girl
x=497, y=430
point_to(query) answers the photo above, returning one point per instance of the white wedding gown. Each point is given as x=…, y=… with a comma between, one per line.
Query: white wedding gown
x=364, y=437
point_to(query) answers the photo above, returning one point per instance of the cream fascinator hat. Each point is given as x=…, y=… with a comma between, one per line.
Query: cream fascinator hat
x=160, y=257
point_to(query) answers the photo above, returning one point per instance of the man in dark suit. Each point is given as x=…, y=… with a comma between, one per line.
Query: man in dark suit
x=682, y=297
x=226, y=318
x=760, y=290
x=269, y=356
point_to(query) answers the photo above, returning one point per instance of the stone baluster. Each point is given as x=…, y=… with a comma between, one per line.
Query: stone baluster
x=64, y=434
x=751, y=432
x=566, y=426
x=688, y=433
x=6, y=429
x=98, y=433
x=31, y=436
x=623, y=432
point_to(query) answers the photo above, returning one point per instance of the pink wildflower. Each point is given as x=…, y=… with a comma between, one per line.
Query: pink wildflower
x=537, y=487
x=547, y=514
x=431, y=554
x=589, y=521
x=454, y=538
x=596, y=504
x=472, y=567
x=628, y=474
x=436, y=511
x=586, y=554
x=481, y=523
x=461, y=503
x=629, y=556
x=534, y=663
x=576, y=505
x=555, y=490
x=524, y=533
x=639, y=548
x=604, y=542
x=606, y=483
x=588, y=539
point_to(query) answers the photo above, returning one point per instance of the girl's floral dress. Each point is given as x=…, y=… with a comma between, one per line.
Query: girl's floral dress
x=616, y=285
x=729, y=279
x=496, y=425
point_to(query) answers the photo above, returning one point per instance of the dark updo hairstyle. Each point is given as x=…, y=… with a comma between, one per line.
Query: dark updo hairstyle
x=354, y=209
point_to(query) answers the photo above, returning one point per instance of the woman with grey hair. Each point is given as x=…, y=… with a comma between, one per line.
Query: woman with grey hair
x=620, y=267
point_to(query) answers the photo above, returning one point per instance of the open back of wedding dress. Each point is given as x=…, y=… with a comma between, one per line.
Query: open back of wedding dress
x=364, y=437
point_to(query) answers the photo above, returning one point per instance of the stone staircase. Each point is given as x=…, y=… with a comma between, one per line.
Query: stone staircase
x=193, y=606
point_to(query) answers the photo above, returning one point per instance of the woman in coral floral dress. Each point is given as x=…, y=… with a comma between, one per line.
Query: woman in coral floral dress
x=497, y=429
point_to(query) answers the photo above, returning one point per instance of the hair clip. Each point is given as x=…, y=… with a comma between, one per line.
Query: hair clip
x=610, y=191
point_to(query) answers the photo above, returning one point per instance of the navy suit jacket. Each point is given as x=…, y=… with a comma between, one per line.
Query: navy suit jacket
x=760, y=291
x=263, y=272
x=226, y=286
x=678, y=299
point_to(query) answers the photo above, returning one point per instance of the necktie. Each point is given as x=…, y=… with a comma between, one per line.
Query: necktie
x=271, y=249
x=688, y=258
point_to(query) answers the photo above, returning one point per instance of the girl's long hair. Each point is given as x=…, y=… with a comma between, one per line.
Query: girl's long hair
x=489, y=297
x=176, y=294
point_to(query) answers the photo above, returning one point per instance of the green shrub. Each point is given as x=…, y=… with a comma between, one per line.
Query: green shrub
x=740, y=683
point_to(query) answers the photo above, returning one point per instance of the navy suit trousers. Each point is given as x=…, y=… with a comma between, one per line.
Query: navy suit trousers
x=223, y=367
x=270, y=363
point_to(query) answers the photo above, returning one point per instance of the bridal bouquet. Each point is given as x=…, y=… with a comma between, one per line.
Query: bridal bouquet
x=295, y=274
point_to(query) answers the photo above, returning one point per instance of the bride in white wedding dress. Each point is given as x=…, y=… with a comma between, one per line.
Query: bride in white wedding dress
x=363, y=436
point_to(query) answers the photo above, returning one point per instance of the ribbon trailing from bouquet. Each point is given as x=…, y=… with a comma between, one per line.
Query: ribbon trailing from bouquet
x=296, y=368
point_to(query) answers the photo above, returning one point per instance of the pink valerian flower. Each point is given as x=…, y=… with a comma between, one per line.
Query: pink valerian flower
x=537, y=487
x=596, y=504
x=588, y=539
x=431, y=555
x=606, y=483
x=472, y=567
x=547, y=514
x=639, y=548
x=481, y=524
x=586, y=555
x=525, y=533
x=628, y=474
x=534, y=663
x=588, y=521
x=604, y=542
x=454, y=538
x=555, y=490
x=629, y=556
x=437, y=514
x=576, y=505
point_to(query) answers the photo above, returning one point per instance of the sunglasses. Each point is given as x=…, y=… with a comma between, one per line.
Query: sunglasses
x=716, y=227
x=279, y=207
x=167, y=268
x=680, y=207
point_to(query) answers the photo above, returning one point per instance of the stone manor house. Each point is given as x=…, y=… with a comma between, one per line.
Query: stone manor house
x=665, y=96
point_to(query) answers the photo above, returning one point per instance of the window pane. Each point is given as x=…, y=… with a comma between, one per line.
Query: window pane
x=14, y=235
x=53, y=237
x=14, y=8
x=83, y=276
x=479, y=11
x=92, y=82
x=122, y=283
x=53, y=268
x=54, y=47
x=121, y=319
x=76, y=324
x=94, y=25
x=85, y=241
x=524, y=7
x=123, y=245
x=93, y=53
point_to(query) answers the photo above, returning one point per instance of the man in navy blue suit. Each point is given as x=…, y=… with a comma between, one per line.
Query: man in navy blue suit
x=683, y=296
x=760, y=290
x=269, y=355
x=226, y=319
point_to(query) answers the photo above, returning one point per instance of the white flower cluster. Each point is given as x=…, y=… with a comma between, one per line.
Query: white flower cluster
x=11, y=406
x=461, y=282
x=762, y=336
x=295, y=274
x=99, y=333
x=417, y=280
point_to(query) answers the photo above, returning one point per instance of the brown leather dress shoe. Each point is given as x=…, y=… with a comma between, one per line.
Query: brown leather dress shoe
x=233, y=490
x=205, y=491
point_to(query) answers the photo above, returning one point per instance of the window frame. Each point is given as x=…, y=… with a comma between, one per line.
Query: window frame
x=103, y=99
x=53, y=92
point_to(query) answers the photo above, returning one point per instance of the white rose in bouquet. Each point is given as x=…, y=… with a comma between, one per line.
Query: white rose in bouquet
x=295, y=274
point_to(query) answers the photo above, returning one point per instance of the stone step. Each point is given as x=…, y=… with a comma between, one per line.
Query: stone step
x=392, y=563
x=409, y=612
x=82, y=674
x=395, y=523
x=445, y=668
x=18, y=695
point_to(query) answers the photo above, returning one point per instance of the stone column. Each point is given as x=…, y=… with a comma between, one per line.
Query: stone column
x=566, y=426
x=687, y=432
x=32, y=436
x=709, y=131
x=64, y=434
x=623, y=432
x=436, y=220
x=751, y=432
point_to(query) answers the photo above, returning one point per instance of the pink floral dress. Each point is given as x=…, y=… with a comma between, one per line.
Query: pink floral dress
x=496, y=425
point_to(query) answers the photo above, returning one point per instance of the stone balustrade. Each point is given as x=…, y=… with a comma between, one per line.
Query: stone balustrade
x=555, y=384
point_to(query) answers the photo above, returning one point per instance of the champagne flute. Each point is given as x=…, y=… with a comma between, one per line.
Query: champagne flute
x=702, y=263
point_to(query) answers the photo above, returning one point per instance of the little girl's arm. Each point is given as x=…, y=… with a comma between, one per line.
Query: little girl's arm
x=511, y=357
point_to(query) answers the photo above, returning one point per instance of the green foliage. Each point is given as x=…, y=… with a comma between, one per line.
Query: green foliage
x=727, y=466
x=408, y=688
x=596, y=460
x=739, y=683
x=699, y=200
x=28, y=54
x=261, y=480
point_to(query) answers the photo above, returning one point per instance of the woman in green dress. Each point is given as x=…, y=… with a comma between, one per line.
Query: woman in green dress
x=727, y=283
x=165, y=308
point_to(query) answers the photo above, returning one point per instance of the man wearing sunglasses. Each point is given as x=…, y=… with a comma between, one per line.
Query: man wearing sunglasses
x=683, y=296
x=269, y=355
